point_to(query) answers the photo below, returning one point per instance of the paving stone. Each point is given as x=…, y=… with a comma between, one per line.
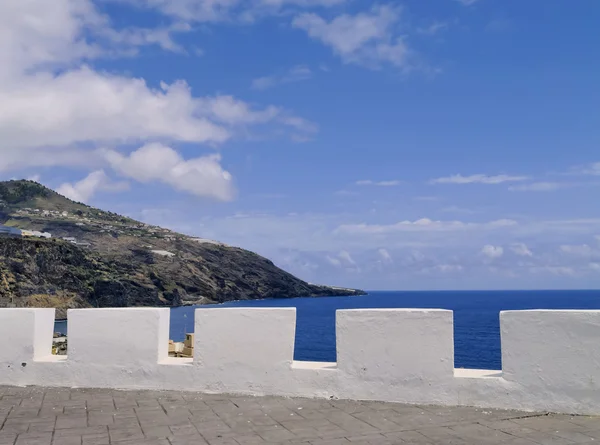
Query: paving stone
x=42, y=425
x=100, y=419
x=223, y=441
x=34, y=439
x=340, y=441
x=7, y=438
x=413, y=437
x=145, y=442
x=119, y=434
x=65, y=421
x=15, y=428
x=188, y=440
x=250, y=439
x=156, y=432
x=50, y=416
x=183, y=430
x=277, y=435
x=71, y=440
x=95, y=439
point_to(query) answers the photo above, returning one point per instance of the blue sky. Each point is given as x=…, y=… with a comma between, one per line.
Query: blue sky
x=439, y=144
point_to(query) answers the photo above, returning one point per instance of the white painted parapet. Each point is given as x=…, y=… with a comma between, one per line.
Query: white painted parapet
x=396, y=345
x=25, y=335
x=237, y=349
x=551, y=359
x=25, y=340
x=555, y=354
x=406, y=354
x=132, y=337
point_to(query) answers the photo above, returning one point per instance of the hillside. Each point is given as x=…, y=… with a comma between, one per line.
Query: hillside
x=114, y=261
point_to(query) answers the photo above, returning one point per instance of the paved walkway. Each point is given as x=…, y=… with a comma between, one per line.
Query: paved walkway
x=42, y=416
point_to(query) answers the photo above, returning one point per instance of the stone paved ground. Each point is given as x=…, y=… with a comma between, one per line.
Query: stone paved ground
x=42, y=416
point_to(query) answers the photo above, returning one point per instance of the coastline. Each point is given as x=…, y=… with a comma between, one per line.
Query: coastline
x=276, y=298
x=355, y=293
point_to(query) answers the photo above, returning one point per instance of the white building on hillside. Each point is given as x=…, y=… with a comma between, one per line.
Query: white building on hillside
x=35, y=234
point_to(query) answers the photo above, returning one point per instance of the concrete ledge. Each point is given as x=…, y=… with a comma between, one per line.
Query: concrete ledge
x=315, y=366
x=463, y=373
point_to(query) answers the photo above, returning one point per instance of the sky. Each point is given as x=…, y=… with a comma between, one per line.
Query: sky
x=416, y=144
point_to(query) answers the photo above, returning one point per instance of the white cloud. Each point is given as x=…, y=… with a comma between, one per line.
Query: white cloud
x=448, y=268
x=432, y=252
x=467, y=2
x=190, y=10
x=229, y=110
x=367, y=38
x=300, y=124
x=456, y=209
x=203, y=176
x=346, y=193
x=595, y=267
x=332, y=232
x=521, y=249
x=295, y=74
x=233, y=112
x=579, y=250
x=346, y=258
x=541, y=187
x=492, y=252
x=85, y=189
x=563, y=271
x=162, y=37
x=46, y=110
x=437, y=269
x=433, y=29
x=303, y=3
x=478, y=179
x=421, y=225
x=342, y=259
x=334, y=261
x=61, y=31
x=385, y=256
x=17, y=159
x=392, y=183
x=592, y=169
x=38, y=33
x=57, y=109
x=225, y=10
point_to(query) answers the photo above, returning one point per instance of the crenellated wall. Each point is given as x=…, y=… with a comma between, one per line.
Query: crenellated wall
x=551, y=359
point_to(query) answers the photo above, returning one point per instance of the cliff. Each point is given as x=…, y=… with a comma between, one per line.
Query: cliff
x=114, y=261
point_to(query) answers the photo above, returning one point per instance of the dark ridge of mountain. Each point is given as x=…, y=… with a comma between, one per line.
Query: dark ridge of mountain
x=101, y=259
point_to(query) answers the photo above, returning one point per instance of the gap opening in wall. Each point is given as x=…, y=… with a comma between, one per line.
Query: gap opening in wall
x=181, y=332
x=60, y=340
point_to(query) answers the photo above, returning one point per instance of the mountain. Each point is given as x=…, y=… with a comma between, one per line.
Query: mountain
x=101, y=259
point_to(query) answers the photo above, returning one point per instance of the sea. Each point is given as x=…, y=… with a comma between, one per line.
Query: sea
x=476, y=318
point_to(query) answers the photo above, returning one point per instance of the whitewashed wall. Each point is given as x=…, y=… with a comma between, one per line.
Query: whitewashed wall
x=551, y=359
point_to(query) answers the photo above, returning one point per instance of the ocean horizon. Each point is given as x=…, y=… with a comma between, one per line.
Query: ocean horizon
x=476, y=317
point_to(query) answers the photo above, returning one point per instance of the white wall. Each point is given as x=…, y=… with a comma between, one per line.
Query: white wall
x=551, y=359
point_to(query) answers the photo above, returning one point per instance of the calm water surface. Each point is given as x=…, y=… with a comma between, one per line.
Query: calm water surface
x=476, y=318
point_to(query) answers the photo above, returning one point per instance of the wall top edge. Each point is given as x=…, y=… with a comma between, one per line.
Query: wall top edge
x=552, y=311
x=394, y=310
x=119, y=309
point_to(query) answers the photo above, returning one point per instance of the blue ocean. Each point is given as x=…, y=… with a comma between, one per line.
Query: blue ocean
x=476, y=318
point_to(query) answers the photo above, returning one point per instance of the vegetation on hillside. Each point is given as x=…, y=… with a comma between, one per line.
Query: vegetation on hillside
x=111, y=260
